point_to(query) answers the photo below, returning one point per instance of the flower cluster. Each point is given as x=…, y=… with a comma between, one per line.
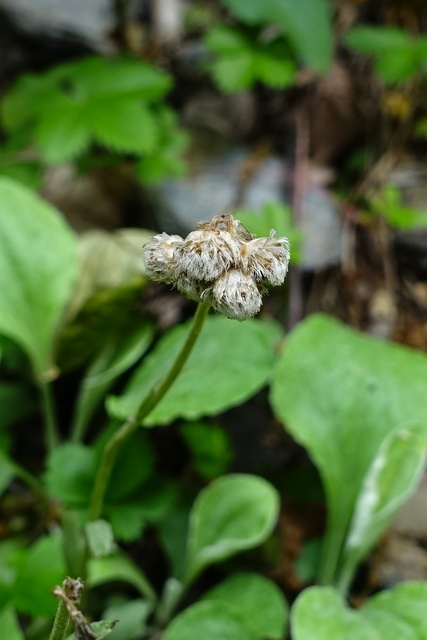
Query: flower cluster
x=220, y=263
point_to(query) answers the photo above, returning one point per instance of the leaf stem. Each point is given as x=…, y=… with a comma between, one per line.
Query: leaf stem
x=150, y=401
x=61, y=621
x=51, y=428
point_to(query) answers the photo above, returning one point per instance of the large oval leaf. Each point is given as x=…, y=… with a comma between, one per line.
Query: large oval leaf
x=38, y=265
x=258, y=601
x=340, y=394
x=234, y=513
x=210, y=621
x=229, y=363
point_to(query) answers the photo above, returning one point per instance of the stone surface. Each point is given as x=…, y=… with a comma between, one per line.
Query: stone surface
x=88, y=22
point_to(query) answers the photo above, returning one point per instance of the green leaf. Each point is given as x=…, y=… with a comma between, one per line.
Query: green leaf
x=234, y=513
x=210, y=447
x=210, y=621
x=38, y=265
x=61, y=134
x=229, y=363
x=396, y=54
x=9, y=625
x=102, y=628
x=119, y=567
x=338, y=392
x=251, y=11
x=100, y=538
x=29, y=173
x=70, y=473
x=320, y=613
x=233, y=73
x=42, y=569
x=384, y=490
x=131, y=617
x=276, y=72
x=7, y=471
x=397, y=614
x=122, y=124
x=258, y=602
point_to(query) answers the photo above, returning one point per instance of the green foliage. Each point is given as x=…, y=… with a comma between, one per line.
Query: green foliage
x=210, y=447
x=388, y=203
x=208, y=620
x=214, y=369
x=9, y=625
x=258, y=601
x=100, y=538
x=241, y=60
x=114, y=103
x=397, y=55
x=307, y=25
x=277, y=216
x=397, y=614
x=38, y=266
x=233, y=513
x=338, y=393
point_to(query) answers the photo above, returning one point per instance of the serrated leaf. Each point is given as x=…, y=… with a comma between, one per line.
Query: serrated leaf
x=38, y=265
x=234, y=513
x=258, y=602
x=123, y=124
x=62, y=134
x=229, y=363
x=42, y=569
x=338, y=392
x=210, y=621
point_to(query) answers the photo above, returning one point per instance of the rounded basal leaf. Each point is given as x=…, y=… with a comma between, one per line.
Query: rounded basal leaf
x=42, y=569
x=230, y=362
x=406, y=604
x=38, y=265
x=340, y=394
x=233, y=513
x=208, y=621
x=258, y=602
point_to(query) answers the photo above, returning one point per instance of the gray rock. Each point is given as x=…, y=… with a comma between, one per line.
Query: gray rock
x=88, y=22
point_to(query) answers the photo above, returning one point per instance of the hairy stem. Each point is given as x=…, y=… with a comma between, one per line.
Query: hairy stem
x=61, y=621
x=147, y=405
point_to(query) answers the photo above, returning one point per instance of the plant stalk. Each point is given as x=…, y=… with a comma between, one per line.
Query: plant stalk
x=61, y=621
x=151, y=400
x=51, y=428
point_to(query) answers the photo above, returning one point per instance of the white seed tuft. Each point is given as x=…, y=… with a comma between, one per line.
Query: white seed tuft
x=157, y=255
x=236, y=295
x=267, y=259
x=205, y=254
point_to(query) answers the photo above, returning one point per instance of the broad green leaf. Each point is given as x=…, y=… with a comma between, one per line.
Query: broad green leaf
x=38, y=265
x=234, y=73
x=61, y=134
x=42, y=569
x=29, y=173
x=210, y=447
x=395, y=614
x=393, y=476
x=131, y=617
x=338, y=392
x=70, y=473
x=251, y=11
x=119, y=567
x=100, y=538
x=210, y=621
x=320, y=613
x=234, y=513
x=9, y=625
x=230, y=362
x=258, y=602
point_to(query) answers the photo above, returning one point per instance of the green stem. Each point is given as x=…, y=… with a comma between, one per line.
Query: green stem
x=61, y=621
x=147, y=405
x=51, y=429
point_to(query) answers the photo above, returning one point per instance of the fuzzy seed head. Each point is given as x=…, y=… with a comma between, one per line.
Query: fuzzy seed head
x=236, y=295
x=205, y=254
x=267, y=259
x=158, y=259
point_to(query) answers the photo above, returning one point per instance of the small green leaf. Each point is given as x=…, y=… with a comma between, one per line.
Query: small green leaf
x=62, y=134
x=234, y=513
x=131, y=617
x=70, y=473
x=258, y=602
x=210, y=447
x=41, y=570
x=9, y=625
x=102, y=628
x=229, y=363
x=119, y=567
x=210, y=621
x=100, y=538
x=38, y=265
x=251, y=11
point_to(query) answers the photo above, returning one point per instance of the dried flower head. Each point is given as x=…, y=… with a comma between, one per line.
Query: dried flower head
x=220, y=263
